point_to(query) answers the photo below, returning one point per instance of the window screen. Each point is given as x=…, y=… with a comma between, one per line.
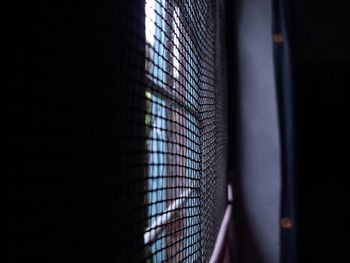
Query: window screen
x=121, y=131
x=183, y=198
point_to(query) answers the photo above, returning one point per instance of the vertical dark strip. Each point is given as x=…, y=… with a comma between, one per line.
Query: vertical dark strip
x=221, y=101
x=285, y=97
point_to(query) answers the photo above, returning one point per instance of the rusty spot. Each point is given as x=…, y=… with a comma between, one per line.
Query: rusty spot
x=286, y=222
x=277, y=38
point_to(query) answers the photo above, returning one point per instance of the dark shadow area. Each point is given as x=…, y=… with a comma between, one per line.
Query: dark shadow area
x=70, y=180
x=323, y=191
x=322, y=71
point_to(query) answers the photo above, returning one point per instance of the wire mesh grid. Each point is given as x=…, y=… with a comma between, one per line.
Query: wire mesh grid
x=127, y=119
x=180, y=182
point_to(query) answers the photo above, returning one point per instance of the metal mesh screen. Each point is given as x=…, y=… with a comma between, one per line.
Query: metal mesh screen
x=184, y=193
x=120, y=131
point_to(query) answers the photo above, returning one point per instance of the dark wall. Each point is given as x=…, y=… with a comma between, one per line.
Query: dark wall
x=321, y=56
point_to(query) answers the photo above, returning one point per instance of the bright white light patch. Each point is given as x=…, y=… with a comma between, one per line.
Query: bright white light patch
x=150, y=9
x=176, y=26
